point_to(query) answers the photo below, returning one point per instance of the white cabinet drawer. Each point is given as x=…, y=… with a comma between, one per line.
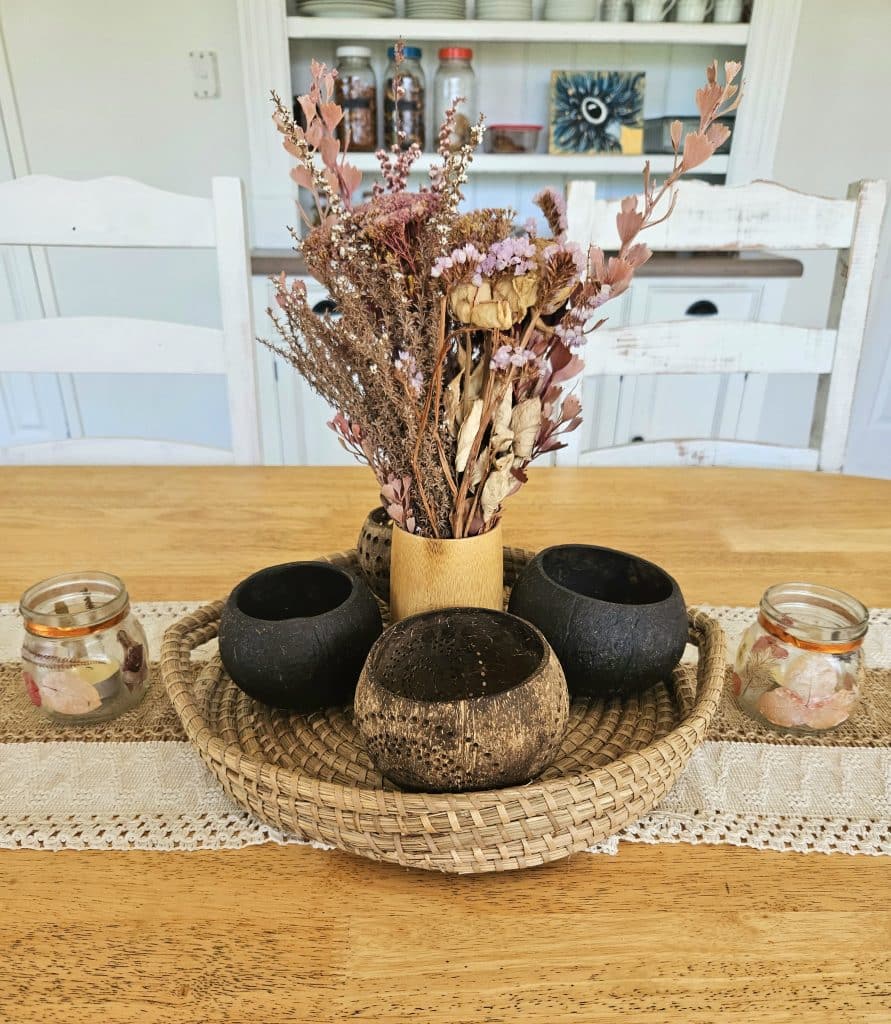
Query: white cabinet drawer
x=724, y=300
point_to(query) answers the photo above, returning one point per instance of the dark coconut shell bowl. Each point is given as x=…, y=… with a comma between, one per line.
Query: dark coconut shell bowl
x=618, y=623
x=461, y=699
x=295, y=636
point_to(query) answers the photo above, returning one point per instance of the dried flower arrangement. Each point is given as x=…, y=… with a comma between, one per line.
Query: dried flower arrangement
x=456, y=335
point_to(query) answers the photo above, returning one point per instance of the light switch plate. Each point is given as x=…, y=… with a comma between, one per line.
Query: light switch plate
x=205, y=74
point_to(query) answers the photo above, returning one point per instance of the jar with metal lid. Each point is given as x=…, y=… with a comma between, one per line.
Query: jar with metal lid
x=355, y=91
x=799, y=665
x=84, y=655
x=455, y=79
x=405, y=98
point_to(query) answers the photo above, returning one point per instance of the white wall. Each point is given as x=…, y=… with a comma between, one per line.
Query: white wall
x=835, y=131
x=104, y=87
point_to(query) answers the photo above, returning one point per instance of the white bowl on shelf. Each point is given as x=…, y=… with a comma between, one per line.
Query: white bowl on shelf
x=571, y=10
x=347, y=8
x=448, y=9
x=504, y=10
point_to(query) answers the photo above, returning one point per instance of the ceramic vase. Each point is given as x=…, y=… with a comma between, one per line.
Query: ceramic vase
x=426, y=574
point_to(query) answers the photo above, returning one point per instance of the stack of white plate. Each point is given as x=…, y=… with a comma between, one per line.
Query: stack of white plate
x=571, y=10
x=435, y=8
x=504, y=10
x=346, y=8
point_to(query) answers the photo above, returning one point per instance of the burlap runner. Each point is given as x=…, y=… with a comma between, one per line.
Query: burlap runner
x=155, y=719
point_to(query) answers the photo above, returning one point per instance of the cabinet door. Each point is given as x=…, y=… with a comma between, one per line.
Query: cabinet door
x=294, y=417
x=654, y=407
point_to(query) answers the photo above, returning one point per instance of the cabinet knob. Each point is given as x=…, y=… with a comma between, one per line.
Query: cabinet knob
x=703, y=307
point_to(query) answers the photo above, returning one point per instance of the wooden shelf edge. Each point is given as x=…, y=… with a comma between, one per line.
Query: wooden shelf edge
x=473, y=30
x=548, y=163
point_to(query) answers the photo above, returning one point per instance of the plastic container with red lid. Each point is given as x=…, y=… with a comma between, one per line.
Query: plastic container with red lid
x=455, y=80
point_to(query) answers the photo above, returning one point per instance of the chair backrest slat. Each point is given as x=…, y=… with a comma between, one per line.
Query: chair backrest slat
x=95, y=344
x=703, y=452
x=694, y=346
x=104, y=212
x=762, y=215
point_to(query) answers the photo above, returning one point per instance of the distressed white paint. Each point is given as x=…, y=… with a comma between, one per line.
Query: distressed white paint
x=108, y=212
x=759, y=216
x=696, y=346
x=748, y=217
x=703, y=452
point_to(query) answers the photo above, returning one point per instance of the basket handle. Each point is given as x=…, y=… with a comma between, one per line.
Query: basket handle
x=177, y=669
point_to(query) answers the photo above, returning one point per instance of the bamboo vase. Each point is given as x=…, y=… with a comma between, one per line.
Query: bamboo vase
x=426, y=574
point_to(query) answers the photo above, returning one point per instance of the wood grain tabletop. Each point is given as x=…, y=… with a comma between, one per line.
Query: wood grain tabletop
x=685, y=934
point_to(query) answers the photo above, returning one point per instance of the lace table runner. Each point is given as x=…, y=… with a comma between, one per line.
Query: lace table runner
x=138, y=783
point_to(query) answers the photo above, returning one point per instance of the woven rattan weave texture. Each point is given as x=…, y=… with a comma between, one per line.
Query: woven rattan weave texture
x=310, y=775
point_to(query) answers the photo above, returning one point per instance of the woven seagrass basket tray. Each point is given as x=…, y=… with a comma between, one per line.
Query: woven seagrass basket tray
x=310, y=775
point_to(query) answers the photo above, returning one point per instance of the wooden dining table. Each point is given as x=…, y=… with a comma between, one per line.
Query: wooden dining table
x=675, y=934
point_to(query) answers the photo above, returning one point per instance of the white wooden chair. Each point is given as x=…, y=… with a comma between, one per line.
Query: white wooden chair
x=760, y=216
x=117, y=212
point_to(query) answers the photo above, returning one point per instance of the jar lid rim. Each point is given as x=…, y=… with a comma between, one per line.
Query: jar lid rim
x=352, y=51
x=87, y=619
x=409, y=52
x=456, y=52
x=779, y=600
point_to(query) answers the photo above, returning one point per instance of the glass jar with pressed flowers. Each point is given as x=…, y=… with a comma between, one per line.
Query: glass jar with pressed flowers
x=84, y=655
x=799, y=665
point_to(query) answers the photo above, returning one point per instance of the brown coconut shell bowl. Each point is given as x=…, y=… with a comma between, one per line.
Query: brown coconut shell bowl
x=461, y=699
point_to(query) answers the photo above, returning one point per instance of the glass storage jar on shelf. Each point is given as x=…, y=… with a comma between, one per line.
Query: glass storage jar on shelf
x=404, y=115
x=84, y=655
x=355, y=90
x=799, y=665
x=455, y=79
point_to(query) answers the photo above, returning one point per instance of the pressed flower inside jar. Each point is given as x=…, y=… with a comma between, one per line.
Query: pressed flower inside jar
x=84, y=655
x=799, y=666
